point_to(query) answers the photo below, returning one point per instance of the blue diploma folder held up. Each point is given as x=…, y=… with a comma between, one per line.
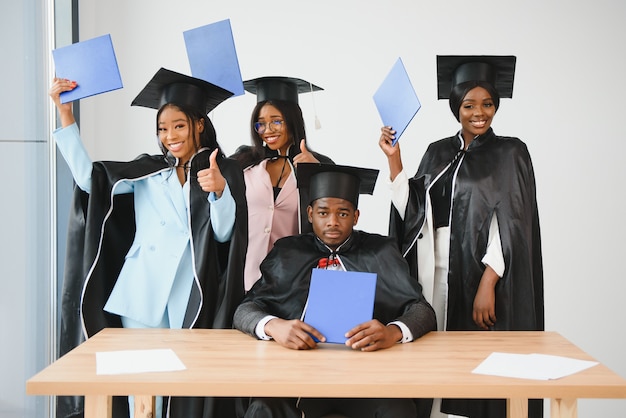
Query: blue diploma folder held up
x=396, y=100
x=92, y=64
x=212, y=56
x=338, y=301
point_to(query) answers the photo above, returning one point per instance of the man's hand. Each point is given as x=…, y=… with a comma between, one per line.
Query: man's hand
x=293, y=334
x=373, y=335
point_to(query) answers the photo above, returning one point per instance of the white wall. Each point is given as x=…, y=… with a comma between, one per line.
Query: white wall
x=567, y=107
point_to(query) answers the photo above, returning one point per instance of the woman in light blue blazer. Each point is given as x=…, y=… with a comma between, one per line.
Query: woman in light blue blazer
x=158, y=241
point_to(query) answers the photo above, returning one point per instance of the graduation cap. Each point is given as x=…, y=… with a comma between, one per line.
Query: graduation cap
x=498, y=70
x=278, y=88
x=168, y=86
x=340, y=181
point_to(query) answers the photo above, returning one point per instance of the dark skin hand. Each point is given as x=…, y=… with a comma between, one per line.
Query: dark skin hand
x=211, y=179
x=373, y=335
x=387, y=135
x=368, y=336
x=293, y=333
x=484, y=313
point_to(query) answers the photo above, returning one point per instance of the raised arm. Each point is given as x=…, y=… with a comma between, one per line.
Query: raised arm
x=387, y=135
x=69, y=142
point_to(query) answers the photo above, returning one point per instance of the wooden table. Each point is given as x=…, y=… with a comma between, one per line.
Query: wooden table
x=229, y=363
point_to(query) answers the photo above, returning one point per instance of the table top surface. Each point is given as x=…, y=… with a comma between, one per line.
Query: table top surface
x=230, y=363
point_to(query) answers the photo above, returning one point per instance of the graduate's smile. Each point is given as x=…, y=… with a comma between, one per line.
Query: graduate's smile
x=478, y=124
x=476, y=113
x=175, y=147
x=272, y=129
x=271, y=140
x=176, y=134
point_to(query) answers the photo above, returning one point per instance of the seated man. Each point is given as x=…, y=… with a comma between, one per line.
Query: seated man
x=273, y=307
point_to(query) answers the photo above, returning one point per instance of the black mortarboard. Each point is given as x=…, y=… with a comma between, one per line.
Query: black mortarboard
x=330, y=180
x=498, y=70
x=278, y=88
x=171, y=87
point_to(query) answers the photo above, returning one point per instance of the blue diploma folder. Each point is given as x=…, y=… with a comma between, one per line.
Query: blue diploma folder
x=338, y=301
x=396, y=100
x=92, y=64
x=212, y=56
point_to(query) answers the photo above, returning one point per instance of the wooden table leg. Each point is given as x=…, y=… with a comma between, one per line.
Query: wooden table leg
x=563, y=408
x=98, y=406
x=144, y=406
x=516, y=408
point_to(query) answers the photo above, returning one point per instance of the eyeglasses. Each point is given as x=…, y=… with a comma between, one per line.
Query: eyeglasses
x=274, y=125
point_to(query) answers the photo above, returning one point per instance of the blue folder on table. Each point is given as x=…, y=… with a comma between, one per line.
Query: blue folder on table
x=92, y=64
x=212, y=56
x=338, y=301
x=396, y=100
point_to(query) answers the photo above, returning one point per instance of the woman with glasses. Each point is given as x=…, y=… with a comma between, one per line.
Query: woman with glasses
x=467, y=222
x=275, y=207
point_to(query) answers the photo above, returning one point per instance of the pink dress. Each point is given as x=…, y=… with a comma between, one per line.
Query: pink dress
x=268, y=220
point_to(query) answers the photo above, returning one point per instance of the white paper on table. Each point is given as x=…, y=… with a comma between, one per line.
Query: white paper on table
x=137, y=361
x=531, y=366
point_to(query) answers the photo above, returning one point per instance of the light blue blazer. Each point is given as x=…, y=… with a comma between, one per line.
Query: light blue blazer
x=155, y=282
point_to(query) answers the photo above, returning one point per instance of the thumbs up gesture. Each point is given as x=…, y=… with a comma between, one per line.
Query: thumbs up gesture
x=211, y=179
x=305, y=155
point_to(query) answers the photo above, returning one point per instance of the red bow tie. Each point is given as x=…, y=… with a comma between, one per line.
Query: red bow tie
x=327, y=262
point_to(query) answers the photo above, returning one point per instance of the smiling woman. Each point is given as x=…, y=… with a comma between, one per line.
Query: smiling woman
x=276, y=207
x=476, y=113
x=176, y=134
x=471, y=207
x=179, y=136
x=162, y=242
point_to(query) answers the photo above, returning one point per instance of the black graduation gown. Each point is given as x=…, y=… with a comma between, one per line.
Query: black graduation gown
x=244, y=154
x=495, y=176
x=286, y=275
x=219, y=267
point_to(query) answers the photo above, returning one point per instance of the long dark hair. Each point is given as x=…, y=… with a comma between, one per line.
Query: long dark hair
x=459, y=92
x=294, y=123
x=208, y=136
